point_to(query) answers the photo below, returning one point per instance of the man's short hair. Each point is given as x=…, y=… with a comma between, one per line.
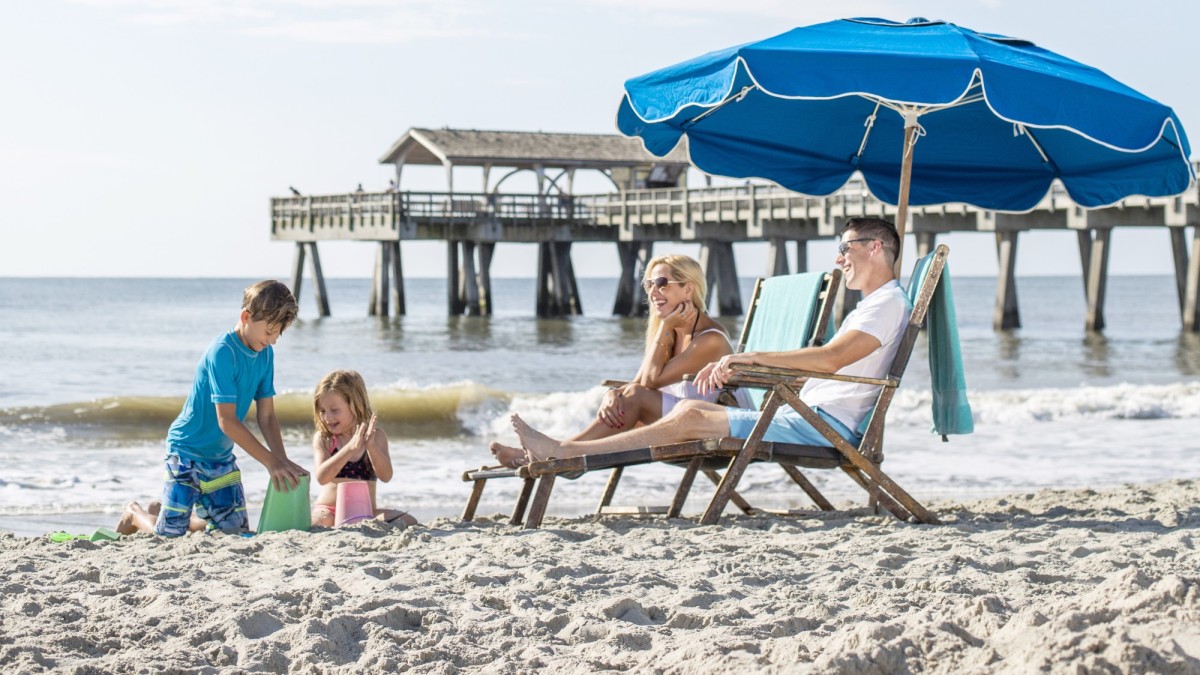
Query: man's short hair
x=270, y=301
x=876, y=228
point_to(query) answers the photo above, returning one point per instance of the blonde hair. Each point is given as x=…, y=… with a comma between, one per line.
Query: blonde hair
x=350, y=386
x=270, y=301
x=683, y=269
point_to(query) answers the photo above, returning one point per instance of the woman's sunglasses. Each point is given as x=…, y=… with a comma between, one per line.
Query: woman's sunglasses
x=660, y=283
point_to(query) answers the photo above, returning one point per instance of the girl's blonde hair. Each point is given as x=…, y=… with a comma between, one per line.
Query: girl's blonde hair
x=683, y=269
x=351, y=386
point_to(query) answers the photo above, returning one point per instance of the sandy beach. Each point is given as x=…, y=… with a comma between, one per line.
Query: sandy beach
x=1057, y=581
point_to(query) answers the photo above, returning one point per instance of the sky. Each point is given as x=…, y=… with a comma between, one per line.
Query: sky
x=144, y=138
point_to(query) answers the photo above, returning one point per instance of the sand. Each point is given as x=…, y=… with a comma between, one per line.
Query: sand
x=1057, y=581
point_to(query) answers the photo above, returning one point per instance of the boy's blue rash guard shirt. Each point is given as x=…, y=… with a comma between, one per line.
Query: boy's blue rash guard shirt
x=229, y=372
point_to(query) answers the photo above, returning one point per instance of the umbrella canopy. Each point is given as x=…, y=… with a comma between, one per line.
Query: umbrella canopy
x=984, y=119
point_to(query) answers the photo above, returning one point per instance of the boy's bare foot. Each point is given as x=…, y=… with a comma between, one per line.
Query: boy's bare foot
x=508, y=455
x=539, y=445
x=131, y=515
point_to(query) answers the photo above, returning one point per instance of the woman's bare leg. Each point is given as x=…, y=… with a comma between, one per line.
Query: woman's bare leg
x=642, y=405
x=688, y=421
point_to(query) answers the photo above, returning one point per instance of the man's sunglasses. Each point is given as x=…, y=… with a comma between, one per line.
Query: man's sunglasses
x=660, y=283
x=845, y=245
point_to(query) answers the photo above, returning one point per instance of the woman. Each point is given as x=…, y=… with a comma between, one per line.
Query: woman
x=681, y=338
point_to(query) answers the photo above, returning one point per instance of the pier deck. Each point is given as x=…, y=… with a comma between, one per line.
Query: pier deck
x=715, y=217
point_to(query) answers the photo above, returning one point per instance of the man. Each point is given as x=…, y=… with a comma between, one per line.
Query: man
x=864, y=346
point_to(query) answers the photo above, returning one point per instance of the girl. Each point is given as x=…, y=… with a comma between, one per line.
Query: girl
x=681, y=338
x=347, y=445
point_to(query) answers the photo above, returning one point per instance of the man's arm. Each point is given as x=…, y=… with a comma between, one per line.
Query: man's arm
x=285, y=474
x=843, y=350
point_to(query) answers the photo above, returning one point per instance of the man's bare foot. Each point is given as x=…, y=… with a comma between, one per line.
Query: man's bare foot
x=539, y=445
x=508, y=455
x=130, y=516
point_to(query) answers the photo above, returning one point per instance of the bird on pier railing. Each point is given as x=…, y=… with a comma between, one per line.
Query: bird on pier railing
x=295, y=191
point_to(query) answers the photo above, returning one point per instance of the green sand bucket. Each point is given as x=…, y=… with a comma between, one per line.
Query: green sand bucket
x=286, y=510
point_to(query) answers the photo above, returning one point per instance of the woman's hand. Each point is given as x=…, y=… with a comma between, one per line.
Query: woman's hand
x=612, y=408
x=683, y=316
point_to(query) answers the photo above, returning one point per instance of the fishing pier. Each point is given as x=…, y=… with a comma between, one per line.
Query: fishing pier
x=651, y=202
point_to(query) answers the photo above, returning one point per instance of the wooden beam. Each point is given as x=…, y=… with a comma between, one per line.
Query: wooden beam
x=468, y=283
x=397, y=279
x=623, y=304
x=518, y=513
x=319, y=292
x=454, y=303
x=383, y=264
x=298, y=271
x=544, y=282
x=610, y=488
x=1179, y=255
x=685, y=486
x=737, y=466
x=926, y=241
x=468, y=513
x=801, y=256
x=777, y=260
x=486, y=250
x=537, y=510
x=1006, y=316
x=1097, y=279
x=1191, y=301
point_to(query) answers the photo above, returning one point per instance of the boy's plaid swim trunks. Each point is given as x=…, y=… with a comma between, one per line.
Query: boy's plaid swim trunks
x=213, y=488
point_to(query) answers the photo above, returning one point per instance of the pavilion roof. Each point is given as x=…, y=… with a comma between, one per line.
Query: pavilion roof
x=523, y=149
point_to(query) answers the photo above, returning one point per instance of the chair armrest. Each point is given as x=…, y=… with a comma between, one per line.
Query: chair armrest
x=749, y=375
x=614, y=383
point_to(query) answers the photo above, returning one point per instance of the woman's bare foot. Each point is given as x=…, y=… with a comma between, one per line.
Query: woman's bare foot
x=539, y=445
x=509, y=456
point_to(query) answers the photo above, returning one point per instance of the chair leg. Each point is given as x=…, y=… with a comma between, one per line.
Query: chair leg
x=609, y=489
x=738, y=465
x=876, y=494
x=538, y=508
x=809, y=489
x=877, y=476
x=737, y=499
x=468, y=513
x=519, y=508
x=685, y=486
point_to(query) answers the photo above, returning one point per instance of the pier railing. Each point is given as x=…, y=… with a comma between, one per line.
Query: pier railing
x=731, y=213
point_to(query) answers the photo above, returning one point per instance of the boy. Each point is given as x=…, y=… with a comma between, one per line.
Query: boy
x=238, y=368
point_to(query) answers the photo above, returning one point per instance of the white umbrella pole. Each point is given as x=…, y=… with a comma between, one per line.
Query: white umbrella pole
x=910, y=141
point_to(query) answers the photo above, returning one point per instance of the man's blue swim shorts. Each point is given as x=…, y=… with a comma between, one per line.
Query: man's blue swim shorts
x=214, y=489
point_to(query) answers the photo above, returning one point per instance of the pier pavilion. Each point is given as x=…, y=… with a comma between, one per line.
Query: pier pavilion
x=652, y=202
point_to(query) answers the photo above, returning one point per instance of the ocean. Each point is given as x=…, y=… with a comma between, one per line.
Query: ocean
x=93, y=371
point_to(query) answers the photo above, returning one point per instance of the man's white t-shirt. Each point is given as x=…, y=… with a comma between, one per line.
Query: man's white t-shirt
x=883, y=314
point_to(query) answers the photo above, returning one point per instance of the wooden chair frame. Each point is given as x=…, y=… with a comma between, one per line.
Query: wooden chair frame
x=860, y=463
x=823, y=312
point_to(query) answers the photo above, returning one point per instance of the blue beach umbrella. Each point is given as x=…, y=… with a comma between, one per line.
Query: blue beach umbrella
x=928, y=112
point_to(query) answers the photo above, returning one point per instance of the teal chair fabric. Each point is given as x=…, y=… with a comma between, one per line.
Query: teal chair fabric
x=784, y=316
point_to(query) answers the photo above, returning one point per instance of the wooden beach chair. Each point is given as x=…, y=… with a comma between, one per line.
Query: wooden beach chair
x=786, y=312
x=861, y=463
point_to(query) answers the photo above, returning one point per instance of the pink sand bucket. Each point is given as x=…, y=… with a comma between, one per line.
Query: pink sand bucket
x=353, y=503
